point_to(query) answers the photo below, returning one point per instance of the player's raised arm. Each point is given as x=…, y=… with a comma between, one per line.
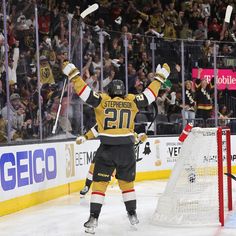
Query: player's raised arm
x=150, y=94
x=82, y=89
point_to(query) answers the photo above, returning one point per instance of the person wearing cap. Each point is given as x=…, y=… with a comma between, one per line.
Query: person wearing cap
x=13, y=86
x=16, y=116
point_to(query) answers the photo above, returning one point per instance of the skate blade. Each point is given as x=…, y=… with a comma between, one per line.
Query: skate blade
x=90, y=230
x=133, y=221
x=134, y=227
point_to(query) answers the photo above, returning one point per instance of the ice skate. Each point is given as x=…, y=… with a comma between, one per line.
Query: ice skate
x=90, y=225
x=133, y=218
x=84, y=191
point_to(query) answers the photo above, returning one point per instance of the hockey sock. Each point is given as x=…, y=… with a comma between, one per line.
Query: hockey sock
x=88, y=182
x=129, y=199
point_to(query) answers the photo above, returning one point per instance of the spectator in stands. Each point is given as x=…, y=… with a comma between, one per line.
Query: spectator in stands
x=139, y=87
x=143, y=63
x=224, y=115
x=214, y=26
x=13, y=63
x=132, y=77
x=46, y=48
x=189, y=109
x=214, y=33
x=201, y=32
x=13, y=88
x=155, y=20
x=44, y=22
x=162, y=101
x=107, y=61
x=186, y=32
x=171, y=13
x=2, y=49
x=46, y=75
x=2, y=96
x=175, y=106
x=96, y=62
x=16, y=117
x=207, y=54
x=203, y=97
x=94, y=80
x=3, y=130
x=226, y=36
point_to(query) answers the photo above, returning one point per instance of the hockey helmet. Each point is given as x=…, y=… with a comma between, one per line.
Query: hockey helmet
x=116, y=88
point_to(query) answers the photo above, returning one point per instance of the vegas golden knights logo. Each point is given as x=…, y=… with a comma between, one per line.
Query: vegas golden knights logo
x=46, y=72
x=70, y=161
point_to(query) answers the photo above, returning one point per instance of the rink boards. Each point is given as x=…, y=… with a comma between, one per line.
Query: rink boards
x=32, y=174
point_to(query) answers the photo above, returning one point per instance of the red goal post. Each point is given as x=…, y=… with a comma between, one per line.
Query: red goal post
x=220, y=133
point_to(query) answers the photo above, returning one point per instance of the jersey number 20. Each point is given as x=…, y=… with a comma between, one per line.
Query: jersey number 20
x=117, y=119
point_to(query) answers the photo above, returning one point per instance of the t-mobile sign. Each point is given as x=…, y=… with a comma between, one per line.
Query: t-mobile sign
x=226, y=77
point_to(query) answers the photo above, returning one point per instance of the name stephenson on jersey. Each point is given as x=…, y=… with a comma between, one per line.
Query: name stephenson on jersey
x=115, y=116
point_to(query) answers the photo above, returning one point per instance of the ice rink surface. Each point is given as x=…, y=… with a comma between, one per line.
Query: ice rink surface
x=66, y=216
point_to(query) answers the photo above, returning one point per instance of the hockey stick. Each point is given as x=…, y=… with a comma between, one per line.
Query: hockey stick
x=89, y=10
x=86, y=12
x=228, y=14
x=231, y=176
x=136, y=146
x=59, y=108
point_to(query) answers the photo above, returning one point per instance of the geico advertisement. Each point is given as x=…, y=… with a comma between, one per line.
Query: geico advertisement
x=26, y=169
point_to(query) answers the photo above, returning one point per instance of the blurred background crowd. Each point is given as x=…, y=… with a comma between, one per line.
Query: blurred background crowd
x=121, y=40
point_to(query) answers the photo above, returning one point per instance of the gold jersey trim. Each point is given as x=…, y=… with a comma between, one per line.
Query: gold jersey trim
x=116, y=135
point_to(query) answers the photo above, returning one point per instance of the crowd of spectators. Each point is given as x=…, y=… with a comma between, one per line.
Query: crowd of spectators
x=199, y=23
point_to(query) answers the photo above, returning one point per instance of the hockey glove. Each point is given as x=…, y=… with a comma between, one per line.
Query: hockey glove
x=80, y=139
x=70, y=70
x=162, y=73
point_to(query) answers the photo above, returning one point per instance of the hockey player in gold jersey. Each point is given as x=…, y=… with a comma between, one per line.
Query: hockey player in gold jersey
x=115, y=113
x=91, y=134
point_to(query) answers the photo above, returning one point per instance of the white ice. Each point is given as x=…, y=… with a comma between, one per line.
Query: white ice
x=66, y=216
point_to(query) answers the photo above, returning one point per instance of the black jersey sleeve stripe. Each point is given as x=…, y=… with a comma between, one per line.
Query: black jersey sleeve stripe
x=94, y=99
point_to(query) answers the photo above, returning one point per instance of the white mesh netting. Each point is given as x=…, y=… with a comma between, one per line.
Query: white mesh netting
x=191, y=194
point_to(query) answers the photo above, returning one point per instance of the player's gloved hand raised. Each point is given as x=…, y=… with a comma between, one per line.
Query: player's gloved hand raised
x=162, y=73
x=142, y=137
x=70, y=70
x=80, y=139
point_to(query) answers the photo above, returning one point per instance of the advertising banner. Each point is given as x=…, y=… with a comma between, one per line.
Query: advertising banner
x=26, y=169
x=226, y=77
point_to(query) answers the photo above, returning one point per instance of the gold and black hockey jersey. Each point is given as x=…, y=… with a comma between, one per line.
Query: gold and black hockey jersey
x=204, y=96
x=115, y=116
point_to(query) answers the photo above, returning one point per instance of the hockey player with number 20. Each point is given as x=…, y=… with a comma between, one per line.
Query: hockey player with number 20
x=115, y=113
x=91, y=134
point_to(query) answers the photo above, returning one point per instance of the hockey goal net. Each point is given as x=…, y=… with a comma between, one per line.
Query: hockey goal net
x=198, y=192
